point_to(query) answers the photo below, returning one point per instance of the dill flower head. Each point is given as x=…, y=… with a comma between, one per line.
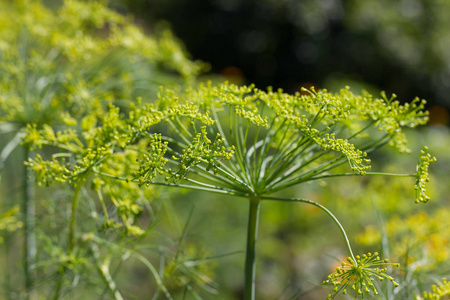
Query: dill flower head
x=422, y=177
x=438, y=291
x=359, y=275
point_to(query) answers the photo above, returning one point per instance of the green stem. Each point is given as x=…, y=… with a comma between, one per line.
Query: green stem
x=155, y=274
x=358, y=174
x=250, y=256
x=341, y=228
x=212, y=189
x=74, y=210
x=29, y=224
x=103, y=269
x=71, y=242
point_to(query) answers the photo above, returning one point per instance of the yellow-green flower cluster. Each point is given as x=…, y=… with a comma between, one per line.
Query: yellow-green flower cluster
x=422, y=177
x=34, y=139
x=355, y=156
x=417, y=237
x=79, y=58
x=82, y=30
x=438, y=292
x=9, y=220
x=201, y=150
x=238, y=140
x=125, y=195
x=359, y=275
x=154, y=161
x=49, y=171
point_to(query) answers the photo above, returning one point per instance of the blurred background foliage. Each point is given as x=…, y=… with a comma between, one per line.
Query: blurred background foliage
x=84, y=56
x=398, y=46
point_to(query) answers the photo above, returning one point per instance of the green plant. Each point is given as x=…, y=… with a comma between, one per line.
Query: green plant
x=237, y=141
x=57, y=66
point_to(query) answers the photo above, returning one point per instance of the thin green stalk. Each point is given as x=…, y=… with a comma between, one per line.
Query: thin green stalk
x=218, y=178
x=250, y=255
x=318, y=119
x=291, y=165
x=341, y=228
x=384, y=244
x=183, y=234
x=154, y=273
x=181, y=125
x=74, y=212
x=287, y=180
x=6, y=265
x=265, y=148
x=370, y=124
x=240, y=157
x=226, y=143
x=228, y=172
x=273, y=133
x=358, y=174
x=71, y=242
x=213, y=189
x=175, y=128
x=242, y=141
x=224, y=175
x=103, y=270
x=284, y=159
x=102, y=203
x=29, y=213
x=377, y=144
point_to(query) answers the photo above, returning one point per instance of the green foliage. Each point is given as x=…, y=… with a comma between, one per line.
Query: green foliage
x=60, y=70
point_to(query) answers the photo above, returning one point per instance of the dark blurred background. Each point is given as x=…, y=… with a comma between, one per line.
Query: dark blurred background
x=399, y=46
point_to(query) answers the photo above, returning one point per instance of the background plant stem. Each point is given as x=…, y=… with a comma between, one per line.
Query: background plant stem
x=71, y=242
x=29, y=224
x=250, y=257
x=103, y=270
x=74, y=210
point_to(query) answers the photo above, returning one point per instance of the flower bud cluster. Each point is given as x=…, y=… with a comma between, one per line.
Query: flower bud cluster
x=359, y=275
x=153, y=162
x=191, y=111
x=9, y=220
x=35, y=138
x=440, y=291
x=201, y=150
x=355, y=156
x=252, y=116
x=422, y=177
x=49, y=171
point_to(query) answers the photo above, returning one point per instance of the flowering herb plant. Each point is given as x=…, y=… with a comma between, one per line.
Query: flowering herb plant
x=234, y=140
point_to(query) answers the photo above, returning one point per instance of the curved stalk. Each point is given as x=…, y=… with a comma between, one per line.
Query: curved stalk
x=103, y=269
x=250, y=253
x=341, y=228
